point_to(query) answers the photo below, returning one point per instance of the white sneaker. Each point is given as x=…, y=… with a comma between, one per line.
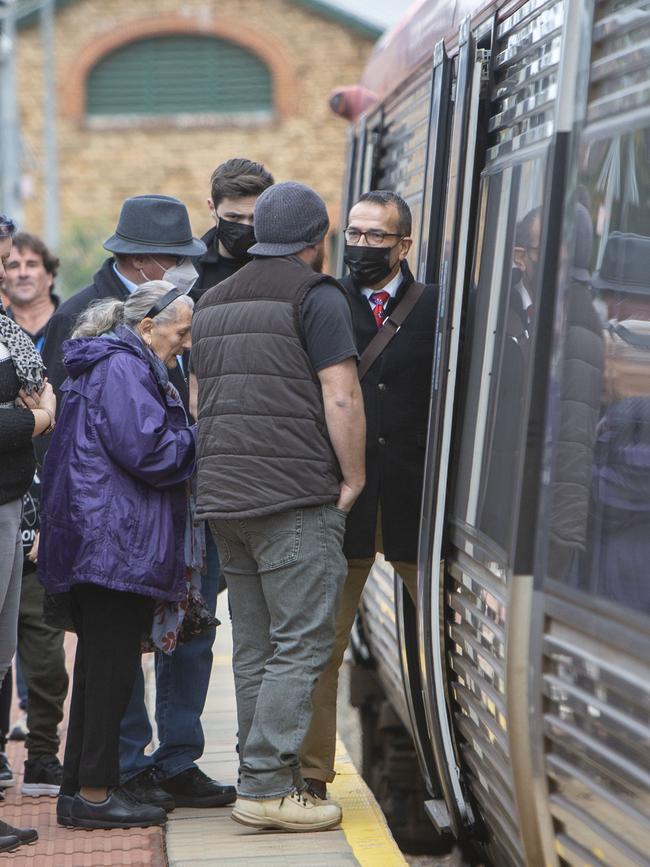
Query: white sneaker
x=295, y=812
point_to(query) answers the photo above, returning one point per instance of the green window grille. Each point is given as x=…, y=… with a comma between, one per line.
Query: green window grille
x=179, y=74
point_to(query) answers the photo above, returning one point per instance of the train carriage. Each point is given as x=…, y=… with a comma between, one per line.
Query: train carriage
x=519, y=133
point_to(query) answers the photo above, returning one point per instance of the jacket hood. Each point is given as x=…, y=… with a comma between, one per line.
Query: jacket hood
x=82, y=353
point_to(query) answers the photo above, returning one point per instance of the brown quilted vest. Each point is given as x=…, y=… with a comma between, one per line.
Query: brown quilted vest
x=262, y=439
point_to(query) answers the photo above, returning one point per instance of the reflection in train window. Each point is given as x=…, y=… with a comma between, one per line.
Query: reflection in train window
x=599, y=533
x=493, y=437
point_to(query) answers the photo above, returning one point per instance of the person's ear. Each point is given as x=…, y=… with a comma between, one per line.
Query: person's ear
x=519, y=258
x=138, y=261
x=404, y=247
x=213, y=210
x=145, y=328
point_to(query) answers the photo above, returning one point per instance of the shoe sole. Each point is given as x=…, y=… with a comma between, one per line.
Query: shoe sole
x=275, y=825
x=64, y=821
x=7, y=784
x=98, y=825
x=36, y=790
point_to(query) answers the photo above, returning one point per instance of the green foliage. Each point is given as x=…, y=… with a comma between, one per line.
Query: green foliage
x=81, y=254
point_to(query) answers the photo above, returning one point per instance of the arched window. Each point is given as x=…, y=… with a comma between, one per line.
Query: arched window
x=184, y=74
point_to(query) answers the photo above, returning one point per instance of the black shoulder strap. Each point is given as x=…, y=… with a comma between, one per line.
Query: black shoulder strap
x=391, y=325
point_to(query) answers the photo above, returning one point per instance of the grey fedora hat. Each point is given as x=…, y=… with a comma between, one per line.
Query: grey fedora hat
x=626, y=264
x=288, y=217
x=154, y=224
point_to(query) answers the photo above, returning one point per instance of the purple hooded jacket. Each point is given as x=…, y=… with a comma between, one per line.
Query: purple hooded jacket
x=113, y=509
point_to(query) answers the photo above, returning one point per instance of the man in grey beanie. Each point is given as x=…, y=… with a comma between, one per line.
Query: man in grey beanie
x=281, y=461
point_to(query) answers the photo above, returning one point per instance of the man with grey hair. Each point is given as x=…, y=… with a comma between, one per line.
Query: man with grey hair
x=281, y=461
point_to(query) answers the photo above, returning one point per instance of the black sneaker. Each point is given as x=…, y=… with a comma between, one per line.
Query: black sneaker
x=25, y=835
x=6, y=774
x=8, y=844
x=43, y=776
x=193, y=788
x=145, y=788
x=19, y=730
x=118, y=810
x=63, y=808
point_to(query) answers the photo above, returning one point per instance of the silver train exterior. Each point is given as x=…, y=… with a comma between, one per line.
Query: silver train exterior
x=523, y=675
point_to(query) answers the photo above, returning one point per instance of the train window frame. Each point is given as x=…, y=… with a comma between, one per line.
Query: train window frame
x=622, y=616
x=464, y=520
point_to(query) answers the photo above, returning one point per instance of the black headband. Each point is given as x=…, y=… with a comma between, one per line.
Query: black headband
x=165, y=301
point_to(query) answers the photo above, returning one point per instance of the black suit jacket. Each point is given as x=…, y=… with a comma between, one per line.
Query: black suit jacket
x=396, y=392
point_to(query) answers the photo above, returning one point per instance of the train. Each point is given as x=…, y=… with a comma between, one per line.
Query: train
x=510, y=705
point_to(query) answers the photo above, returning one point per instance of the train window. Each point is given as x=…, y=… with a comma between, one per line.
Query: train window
x=503, y=301
x=599, y=519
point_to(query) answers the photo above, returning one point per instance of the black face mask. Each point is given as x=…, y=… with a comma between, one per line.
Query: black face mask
x=237, y=238
x=368, y=265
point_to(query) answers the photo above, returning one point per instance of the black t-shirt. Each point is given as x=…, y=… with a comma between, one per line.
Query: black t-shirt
x=327, y=325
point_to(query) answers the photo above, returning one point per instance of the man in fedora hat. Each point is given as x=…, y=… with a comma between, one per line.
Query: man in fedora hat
x=152, y=241
x=281, y=448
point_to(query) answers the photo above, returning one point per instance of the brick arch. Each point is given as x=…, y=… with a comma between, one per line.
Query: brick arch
x=73, y=93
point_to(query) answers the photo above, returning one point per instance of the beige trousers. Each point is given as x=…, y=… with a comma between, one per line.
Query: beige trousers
x=319, y=746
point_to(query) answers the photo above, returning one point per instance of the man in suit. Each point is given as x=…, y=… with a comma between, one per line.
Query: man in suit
x=396, y=392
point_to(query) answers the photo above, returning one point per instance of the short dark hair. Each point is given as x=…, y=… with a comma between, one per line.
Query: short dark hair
x=238, y=177
x=524, y=229
x=7, y=227
x=385, y=198
x=27, y=241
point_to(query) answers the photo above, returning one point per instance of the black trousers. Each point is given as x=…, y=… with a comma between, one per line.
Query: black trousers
x=109, y=626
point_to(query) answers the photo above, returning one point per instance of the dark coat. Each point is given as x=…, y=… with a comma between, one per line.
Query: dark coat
x=106, y=284
x=113, y=509
x=211, y=267
x=396, y=392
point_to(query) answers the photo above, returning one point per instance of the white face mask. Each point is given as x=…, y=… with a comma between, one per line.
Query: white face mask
x=183, y=276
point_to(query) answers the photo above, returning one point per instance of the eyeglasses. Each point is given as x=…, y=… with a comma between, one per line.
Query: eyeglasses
x=374, y=237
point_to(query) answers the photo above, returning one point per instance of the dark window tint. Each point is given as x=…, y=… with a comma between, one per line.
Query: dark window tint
x=599, y=533
x=502, y=310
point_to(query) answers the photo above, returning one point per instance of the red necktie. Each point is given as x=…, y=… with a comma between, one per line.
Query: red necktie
x=378, y=301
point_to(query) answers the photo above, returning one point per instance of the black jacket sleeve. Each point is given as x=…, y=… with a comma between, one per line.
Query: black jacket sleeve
x=58, y=330
x=16, y=428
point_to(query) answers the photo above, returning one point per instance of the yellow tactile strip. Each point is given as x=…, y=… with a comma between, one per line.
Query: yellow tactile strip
x=364, y=825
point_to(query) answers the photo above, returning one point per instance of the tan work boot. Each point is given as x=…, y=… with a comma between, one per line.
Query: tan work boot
x=291, y=813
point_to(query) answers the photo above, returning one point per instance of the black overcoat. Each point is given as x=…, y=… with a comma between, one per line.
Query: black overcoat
x=396, y=392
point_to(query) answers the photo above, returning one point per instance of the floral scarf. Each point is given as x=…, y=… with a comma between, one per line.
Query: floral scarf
x=26, y=360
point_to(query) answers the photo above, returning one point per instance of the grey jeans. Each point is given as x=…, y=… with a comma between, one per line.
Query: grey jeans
x=11, y=571
x=284, y=574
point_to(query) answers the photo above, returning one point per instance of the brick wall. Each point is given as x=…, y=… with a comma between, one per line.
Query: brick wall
x=310, y=55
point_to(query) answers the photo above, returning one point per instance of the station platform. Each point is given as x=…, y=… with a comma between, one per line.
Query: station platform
x=199, y=838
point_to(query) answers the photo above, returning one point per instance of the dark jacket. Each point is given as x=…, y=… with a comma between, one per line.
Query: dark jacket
x=113, y=508
x=211, y=267
x=263, y=444
x=578, y=409
x=396, y=392
x=106, y=284
x=16, y=430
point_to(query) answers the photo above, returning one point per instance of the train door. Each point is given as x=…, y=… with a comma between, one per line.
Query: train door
x=592, y=593
x=410, y=140
x=485, y=444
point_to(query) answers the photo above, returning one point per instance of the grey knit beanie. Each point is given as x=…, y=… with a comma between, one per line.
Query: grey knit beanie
x=288, y=217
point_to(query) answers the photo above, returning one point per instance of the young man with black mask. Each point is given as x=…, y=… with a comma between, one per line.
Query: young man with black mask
x=396, y=390
x=235, y=186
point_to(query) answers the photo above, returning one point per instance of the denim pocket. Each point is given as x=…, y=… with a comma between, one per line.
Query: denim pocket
x=338, y=511
x=275, y=540
x=225, y=552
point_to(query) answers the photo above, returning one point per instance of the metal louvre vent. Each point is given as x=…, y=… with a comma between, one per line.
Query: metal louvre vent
x=597, y=730
x=618, y=78
x=526, y=76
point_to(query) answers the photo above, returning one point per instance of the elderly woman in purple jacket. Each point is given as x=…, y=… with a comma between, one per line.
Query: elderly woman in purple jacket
x=113, y=517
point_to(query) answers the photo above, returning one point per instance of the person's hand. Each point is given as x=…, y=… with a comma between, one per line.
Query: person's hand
x=29, y=401
x=33, y=551
x=348, y=493
x=47, y=399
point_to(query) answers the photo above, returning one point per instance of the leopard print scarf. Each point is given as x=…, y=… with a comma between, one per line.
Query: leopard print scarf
x=26, y=360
